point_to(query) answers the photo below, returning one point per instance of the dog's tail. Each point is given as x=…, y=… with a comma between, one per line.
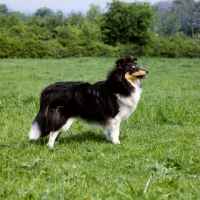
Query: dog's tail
x=35, y=132
x=38, y=128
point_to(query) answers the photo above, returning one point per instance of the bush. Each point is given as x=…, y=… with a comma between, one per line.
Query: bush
x=89, y=48
x=94, y=48
x=175, y=46
x=42, y=49
x=10, y=47
x=13, y=47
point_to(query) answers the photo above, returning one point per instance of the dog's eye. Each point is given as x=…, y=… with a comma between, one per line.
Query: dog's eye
x=134, y=68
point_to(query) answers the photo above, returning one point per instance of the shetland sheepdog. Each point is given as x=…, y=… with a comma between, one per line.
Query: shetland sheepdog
x=106, y=102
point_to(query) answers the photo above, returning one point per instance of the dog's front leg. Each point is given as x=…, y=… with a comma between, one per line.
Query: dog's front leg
x=112, y=131
x=52, y=138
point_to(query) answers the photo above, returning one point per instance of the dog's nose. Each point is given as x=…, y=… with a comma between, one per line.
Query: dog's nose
x=147, y=71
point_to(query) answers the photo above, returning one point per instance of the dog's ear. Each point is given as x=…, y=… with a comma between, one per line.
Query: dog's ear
x=121, y=63
x=132, y=59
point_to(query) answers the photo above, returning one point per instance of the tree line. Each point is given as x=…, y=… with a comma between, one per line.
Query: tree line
x=165, y=29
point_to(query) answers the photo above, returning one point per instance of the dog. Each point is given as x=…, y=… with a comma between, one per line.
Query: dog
x=106, y=102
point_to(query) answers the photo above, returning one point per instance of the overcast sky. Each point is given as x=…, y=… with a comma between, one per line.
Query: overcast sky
x=66, y=6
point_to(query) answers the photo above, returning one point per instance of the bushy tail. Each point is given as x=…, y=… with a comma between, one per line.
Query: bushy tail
x=35, y=131
x=39, y=127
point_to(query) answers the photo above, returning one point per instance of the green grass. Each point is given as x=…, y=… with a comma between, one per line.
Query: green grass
x=160, y=143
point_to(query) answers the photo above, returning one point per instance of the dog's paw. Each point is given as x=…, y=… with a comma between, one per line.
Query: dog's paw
x=51, y=145
x=114, y=141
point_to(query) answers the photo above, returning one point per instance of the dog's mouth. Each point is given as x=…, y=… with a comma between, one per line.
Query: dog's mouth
x=141, y=76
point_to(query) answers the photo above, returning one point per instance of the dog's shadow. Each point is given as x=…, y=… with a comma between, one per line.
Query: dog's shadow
x=75, y=138
x=82, y=137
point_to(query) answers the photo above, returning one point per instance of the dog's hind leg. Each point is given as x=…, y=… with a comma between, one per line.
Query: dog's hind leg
x=55, y=134
x=112, y=131
x=52, y=138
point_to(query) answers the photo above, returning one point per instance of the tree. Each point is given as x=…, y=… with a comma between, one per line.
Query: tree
x=43, y=12
x=19, y=15
x=53, y=21
x=75, y=19
x=94, y=14
x=189, y=15
x=197, y=10
x=3, y=8
x=91, y=26
x=126, y=23
x=167, y=19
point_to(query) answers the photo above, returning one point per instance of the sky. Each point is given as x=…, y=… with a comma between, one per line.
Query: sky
x=66, y=6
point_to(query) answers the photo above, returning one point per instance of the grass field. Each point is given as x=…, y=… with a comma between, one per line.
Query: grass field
x=159, y=154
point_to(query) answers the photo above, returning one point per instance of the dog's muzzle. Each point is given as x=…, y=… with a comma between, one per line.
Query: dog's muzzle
x=143, y=75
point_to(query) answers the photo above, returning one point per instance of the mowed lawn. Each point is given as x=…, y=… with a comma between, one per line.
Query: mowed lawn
x=159, y=154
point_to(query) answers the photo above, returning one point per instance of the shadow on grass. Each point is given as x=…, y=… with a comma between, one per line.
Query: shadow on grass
x=83, y=137
x=75, y=138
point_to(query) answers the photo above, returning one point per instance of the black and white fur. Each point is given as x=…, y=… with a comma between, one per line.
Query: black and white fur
x=106, y=102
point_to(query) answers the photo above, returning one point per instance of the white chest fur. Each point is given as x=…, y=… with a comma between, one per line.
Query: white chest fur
x=127, y=105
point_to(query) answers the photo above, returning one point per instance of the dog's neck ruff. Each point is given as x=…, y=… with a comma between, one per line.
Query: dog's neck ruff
x=127, y=105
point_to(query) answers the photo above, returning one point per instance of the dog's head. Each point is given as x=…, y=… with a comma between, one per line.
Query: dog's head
x=130, y=69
